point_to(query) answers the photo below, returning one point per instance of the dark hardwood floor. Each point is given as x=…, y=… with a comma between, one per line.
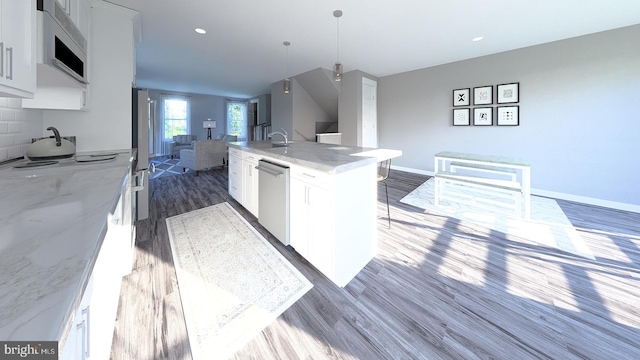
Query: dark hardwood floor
x=439, y=288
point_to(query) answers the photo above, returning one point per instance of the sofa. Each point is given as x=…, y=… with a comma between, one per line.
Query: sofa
x=181, y=142
x=205, y=154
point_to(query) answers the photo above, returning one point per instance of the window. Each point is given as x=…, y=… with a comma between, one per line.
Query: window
x=176, y=113
x=237, y=119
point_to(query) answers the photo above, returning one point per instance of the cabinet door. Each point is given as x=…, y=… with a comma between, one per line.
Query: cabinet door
x=235, y=177
x=84, y=21
x=320, y=228
x=17, y=45
x=77, y=344
x=299, y=216
x=250, y=186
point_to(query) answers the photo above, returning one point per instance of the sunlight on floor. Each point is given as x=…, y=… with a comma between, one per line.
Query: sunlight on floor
x=548, y=225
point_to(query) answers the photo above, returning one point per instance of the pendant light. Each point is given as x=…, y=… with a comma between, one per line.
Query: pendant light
x=287, y=83
x=337, y=68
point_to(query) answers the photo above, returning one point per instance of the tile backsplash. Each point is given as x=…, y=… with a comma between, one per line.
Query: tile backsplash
x=17, y=127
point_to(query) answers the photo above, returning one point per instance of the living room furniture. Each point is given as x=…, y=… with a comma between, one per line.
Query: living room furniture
x=481, y=171
x=209, y=124
x=181, y=142
x=205, y=154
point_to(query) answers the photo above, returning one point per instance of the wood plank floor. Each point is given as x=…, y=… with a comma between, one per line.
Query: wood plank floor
x=439, y=288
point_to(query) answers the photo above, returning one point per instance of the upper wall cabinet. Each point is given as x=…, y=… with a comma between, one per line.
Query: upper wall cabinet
x=17, y=48
x=79, y=11
x=55, y=89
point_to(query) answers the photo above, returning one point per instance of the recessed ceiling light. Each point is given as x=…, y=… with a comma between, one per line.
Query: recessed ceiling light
x=201, y=31
x=477, y=38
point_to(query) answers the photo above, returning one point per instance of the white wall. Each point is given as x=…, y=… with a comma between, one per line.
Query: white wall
x=579, y=109
x=203, y=107
x=282, y=106
x=306, y=112
x=107, y=125
x=350, y=107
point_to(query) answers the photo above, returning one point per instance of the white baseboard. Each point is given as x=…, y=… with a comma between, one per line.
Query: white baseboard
x=552, y=194
x=587, y=200
x=412, y=170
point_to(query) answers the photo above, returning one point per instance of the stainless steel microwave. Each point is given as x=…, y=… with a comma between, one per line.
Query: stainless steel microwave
x=63, y=46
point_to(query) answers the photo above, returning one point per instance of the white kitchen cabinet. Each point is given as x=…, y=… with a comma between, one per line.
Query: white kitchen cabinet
x=17, y=48
x=64, y=96
x=332, y=219
x=243, y=179
x=311, y=217
x=250, y=182
x=58, y=98
x=77, y=343
x=91, y=334
x=84, y=20
x=75, y=9
x=235, y=174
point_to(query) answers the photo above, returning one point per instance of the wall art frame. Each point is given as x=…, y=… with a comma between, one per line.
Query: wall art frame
x=508, y=93
x=461, y=97
x=483, y=95
x=483, y=116
x=508, y=115
x=461, y=117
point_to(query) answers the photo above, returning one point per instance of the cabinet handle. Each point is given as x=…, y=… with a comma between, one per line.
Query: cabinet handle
x=87, y=353
x=1, y=59
x=85, y=326
x=307, y=175
x=141, y=174
x=10, y=63
x=82, y=327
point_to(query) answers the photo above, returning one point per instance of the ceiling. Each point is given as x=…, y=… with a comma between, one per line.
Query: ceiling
x=243, y=52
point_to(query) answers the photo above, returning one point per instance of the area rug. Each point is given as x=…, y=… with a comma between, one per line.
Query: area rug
x=548, y=225
x=161, y=166
x=232, y=281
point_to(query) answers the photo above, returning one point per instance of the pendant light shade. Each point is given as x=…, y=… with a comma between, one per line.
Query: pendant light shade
x=337, y=68
x=286, y=85
x=337, y=72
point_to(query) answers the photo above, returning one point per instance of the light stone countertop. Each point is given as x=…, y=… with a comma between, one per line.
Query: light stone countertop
x=52, y=223
x=330, y=158
x=483, y=158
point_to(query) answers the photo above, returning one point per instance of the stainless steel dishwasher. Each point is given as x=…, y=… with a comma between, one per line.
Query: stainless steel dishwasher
x=273, y=199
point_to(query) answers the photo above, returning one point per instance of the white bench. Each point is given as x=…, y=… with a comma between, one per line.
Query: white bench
x=510, y=172
x=485, y=166
x=490, y=189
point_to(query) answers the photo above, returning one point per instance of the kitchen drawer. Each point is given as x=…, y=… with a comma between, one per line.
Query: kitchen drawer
x=235, y=152
x=311, y=176
x=235, y=192
x=252, y=157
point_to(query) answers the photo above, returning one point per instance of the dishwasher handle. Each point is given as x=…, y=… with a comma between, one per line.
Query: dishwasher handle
x=269, y=171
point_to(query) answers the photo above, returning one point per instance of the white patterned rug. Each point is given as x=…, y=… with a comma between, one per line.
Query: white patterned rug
x=233, y=283
x=547, y=226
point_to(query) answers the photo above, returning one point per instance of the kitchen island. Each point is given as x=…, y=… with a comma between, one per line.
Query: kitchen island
x=332, y=199
x=65, y=231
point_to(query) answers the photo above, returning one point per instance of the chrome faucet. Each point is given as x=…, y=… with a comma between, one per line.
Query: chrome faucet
x=283, y=134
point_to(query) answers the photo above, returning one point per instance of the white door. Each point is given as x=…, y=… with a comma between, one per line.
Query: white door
x=369, y=113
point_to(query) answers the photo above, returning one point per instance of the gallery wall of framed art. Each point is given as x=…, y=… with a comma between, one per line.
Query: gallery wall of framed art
x=483, y=113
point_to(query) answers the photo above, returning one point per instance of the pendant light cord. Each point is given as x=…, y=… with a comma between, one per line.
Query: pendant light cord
x=286, y=58
x=338, y=38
